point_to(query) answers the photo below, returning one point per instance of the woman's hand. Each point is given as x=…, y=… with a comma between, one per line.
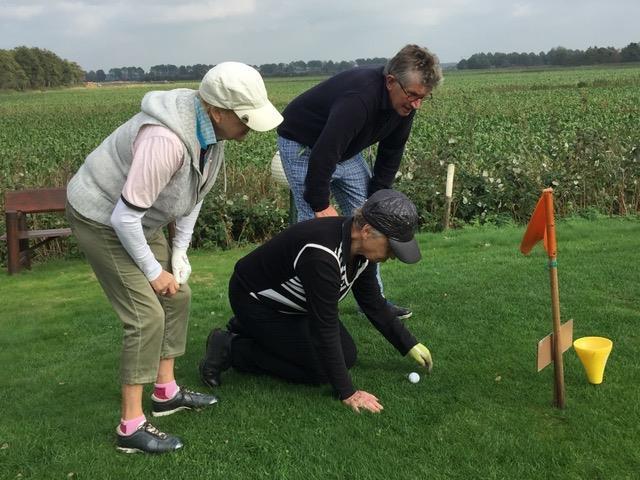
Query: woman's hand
x=165, y=284
x=362, y=399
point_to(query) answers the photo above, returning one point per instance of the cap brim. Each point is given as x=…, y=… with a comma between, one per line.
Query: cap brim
x=406, y=252
x=260, y=119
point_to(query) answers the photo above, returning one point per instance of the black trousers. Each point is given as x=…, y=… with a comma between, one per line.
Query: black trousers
x=277, y=344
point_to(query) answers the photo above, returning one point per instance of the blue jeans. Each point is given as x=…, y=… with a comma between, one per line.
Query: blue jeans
x=349, y=182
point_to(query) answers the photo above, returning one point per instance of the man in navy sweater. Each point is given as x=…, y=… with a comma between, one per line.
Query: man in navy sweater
x=326, y=128
x=285, y=298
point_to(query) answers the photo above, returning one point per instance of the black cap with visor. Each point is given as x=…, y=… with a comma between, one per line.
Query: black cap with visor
x=396, y=217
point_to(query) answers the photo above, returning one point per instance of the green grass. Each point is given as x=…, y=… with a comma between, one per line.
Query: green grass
x=484, y=412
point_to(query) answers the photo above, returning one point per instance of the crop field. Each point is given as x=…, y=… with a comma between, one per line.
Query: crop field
x=479, y=305
x=510, y=134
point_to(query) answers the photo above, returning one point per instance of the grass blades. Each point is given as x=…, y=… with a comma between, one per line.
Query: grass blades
x=479, y=305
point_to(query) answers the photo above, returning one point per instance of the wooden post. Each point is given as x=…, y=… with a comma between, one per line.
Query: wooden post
x=25, y=252
x=555, y=302
x=13, y=243
x=448, y=195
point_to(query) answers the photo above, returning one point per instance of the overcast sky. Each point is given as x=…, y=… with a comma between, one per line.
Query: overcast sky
x=106, y=34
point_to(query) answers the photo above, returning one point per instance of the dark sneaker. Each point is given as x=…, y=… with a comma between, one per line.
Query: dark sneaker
x=217, y=357
x=147, y=439
x=400, y=313
x=183, y=400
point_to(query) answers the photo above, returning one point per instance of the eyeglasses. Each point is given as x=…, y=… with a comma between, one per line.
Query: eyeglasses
x=412, y=97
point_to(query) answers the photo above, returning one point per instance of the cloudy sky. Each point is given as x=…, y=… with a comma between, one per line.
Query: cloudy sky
x=105, y=34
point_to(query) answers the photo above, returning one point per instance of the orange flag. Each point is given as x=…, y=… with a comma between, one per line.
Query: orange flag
x=537, y=228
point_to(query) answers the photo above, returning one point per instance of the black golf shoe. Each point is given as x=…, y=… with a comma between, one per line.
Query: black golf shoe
x=183, y=400
x=147, y=439
x=217, y=357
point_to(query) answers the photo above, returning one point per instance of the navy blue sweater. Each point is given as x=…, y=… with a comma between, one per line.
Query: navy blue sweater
x=339, y=118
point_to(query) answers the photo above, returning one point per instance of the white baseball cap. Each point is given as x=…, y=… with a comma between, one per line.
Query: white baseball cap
x=239, y=87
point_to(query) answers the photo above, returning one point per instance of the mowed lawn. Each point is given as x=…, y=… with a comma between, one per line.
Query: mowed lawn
x=480, y=306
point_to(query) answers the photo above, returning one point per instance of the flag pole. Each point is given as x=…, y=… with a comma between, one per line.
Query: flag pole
x=555, y=299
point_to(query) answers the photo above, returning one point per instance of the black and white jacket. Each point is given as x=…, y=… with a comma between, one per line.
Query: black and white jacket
x=305, y=271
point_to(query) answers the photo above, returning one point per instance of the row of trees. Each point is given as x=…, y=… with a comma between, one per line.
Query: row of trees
x=196, y=72
x=315, y=67
x=29, y=68
x=24, y=68
x=156, y=73
x=556, y=56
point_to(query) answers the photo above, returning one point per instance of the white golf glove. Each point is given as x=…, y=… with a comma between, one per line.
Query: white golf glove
x=180, y=265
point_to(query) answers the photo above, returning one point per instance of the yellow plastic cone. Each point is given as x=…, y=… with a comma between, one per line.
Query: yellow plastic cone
x=593, y=353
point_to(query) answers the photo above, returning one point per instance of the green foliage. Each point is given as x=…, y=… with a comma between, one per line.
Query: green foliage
x=558, y=56
x=12, y=76
x=510, y=134
x=229, y=221
x=484, y=412
x=34, y=68
x=631, y=53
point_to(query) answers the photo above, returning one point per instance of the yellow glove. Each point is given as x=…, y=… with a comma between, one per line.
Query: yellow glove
x=422, y=356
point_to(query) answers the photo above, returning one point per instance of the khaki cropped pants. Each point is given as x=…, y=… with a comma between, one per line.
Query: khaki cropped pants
x=155, y=327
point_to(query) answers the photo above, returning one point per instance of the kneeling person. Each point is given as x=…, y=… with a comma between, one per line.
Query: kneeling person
x=285, y=298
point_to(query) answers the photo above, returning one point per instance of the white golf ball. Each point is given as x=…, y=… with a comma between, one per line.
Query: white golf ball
x=413, y=377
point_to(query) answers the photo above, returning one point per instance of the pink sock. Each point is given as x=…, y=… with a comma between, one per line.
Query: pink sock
x=166, y=391
x=127, y=427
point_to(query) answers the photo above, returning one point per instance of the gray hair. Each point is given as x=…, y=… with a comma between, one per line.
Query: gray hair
x=207, y=106
x=359, y=221
x=414, y=60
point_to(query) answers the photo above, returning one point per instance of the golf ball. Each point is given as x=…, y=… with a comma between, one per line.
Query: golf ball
x=413, y=377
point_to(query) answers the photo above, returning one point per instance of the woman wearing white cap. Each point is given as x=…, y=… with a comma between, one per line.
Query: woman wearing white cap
x=152, y=170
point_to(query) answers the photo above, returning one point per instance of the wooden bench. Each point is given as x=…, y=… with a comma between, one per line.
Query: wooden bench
x=17, y=206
